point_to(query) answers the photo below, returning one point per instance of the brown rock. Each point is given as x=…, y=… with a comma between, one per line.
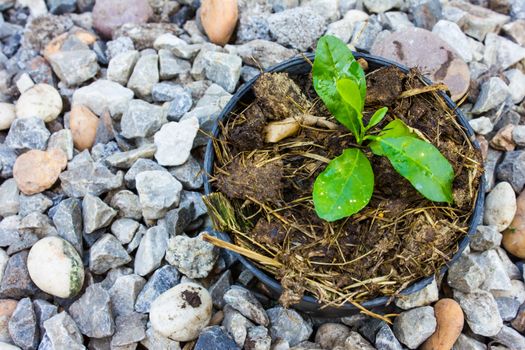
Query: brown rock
x=36, y=171
x=416, y=47
x=108, y=15
x=514, y=236
x=503, y=139
x=83, y=124
x=55, y=45
x=449, y=318
x=483, y=145
x=219, y=17
x=519, y=322
x=7, y=307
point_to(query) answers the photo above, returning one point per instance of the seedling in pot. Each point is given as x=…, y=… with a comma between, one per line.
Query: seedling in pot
x=346, y=185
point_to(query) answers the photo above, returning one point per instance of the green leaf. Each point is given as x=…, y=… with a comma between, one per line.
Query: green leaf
x=422, y=164
x=396, y=128
x=334, y=61
x=349, y=91
x=344, y=187
x=377, y=117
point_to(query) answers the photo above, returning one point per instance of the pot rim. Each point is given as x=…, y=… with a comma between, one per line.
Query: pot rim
x=270, y=281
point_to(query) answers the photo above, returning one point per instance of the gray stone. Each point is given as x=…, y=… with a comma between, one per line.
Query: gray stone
x=179, y=105
x=490, y=163
x=253, y=25
x=121, y=66
x=158, y=192
x=365, y=33
x=248, y=73
x=176, y=45
x=124, y=294
x=261, y=53
x=92, y=312
x=151, y=250
x=219, y=288
x=83, y=176
x=101, y=152
x=119, y=45
x=16, y=282
x=342, y=29
x=287, y=324
x=9, y=230
x=501, y=52
x=156, y=341
x=485, y=238
x=170, y=66
x=518, y=135
x=481, y=125
x=142, y=119
x=9, y=198
x=7, y=161
x=298, y=27
x=23, y=326
x=114, y=274
x=124, y=229
x=394, y=20
x=207, y=117
x=96, y=213
x=215, y=337
x=74, y=67
x=425, y=296
x=466, y=343
x=63, y=140
x=516, y=30
x=378, y=6
x=507, y=307
x=139, y=166
x=128, y=205
x=516, y=84
x=496, y=278
x=189, y=174
x=511, y=269
x=178, y=219
x=144, y=76
x=107, y=253
x=160, y=281
x=194, y=257
x=176, y=136
x=386, y=340
x=413, y=327
x=512, y=170
x=477, y=21
x=452, y=34
x=466, y=274
x=33, y=203
x=188, y=198
x=103, y=95
x=214, y=95
x=44, y=311
x=124, y=160
x=332, y=335
x=223, y=69
x=493, y=93
x=356, y=341
x=426, y=13
x=68, y=222
x=510, y=338
x=63, y=333
x=26, y=134
x=199, y=63
x=258, y=338
x=236, y=324
x=129, y=329
x=166, y=91
x=481, y=312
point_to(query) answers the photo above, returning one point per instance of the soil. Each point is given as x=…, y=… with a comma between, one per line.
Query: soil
x=398, y=238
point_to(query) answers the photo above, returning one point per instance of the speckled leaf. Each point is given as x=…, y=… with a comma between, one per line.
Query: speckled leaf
x=422, y=164
x=344, y=187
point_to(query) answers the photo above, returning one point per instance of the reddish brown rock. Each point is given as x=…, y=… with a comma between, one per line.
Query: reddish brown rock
x=36, y=171
x=503, y=139
x=483, y=145
x=219, y=18
x=108, y=15
x=514, y=236
x=416, y=47
x=83, y=124
x=450, y=320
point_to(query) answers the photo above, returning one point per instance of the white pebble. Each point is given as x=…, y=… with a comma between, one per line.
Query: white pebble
x=500, y=206
x=42, y=101
x=7, y=115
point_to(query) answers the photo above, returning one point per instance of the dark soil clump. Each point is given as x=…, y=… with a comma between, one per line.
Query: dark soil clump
x=396, y=239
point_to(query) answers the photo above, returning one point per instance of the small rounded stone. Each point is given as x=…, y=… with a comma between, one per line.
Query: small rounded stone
x=7, y=115
x=55, y=267
x=450, y=319
x=219, y=18
x=108, y=15
x=500, y=206
x=36, y=171
x=42, y=101
x=83, y=124
x=514, y=236
x=181, y=312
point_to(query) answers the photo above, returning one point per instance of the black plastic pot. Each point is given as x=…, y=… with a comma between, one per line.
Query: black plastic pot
x=310, y=304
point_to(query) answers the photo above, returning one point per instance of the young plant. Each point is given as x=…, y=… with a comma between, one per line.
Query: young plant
x=346, y=185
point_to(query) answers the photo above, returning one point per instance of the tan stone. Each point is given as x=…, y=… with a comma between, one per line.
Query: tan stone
x=503, y=139
x=83, y=124
x=450, y=320
x=7, y=307
x=219, y=18
x=36, y=171
x=514, y=236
